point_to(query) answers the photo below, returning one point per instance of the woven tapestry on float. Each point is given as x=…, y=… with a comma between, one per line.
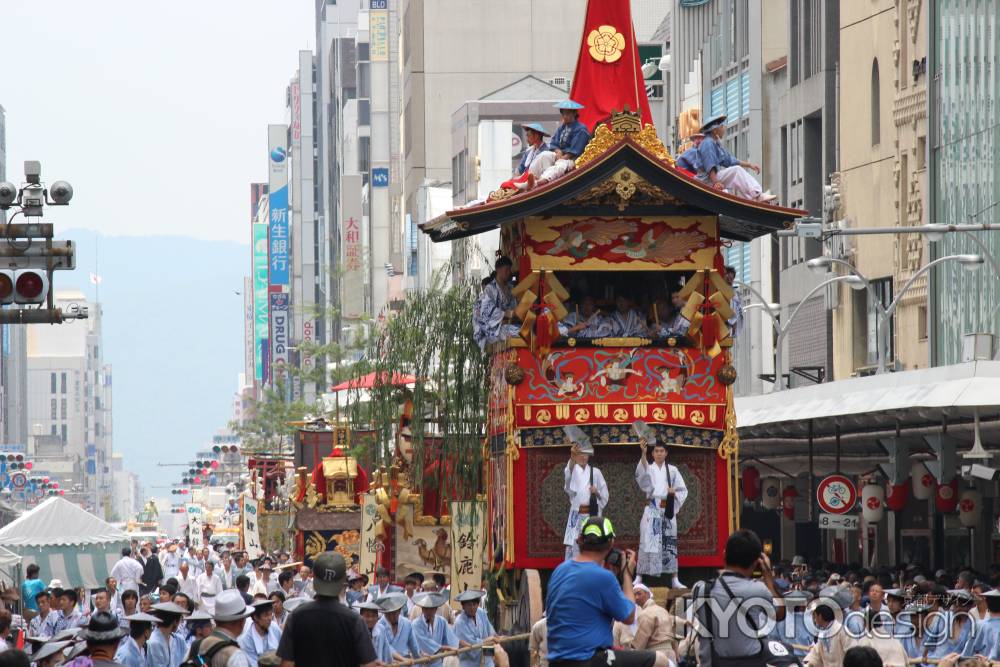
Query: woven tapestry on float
x=548, y=506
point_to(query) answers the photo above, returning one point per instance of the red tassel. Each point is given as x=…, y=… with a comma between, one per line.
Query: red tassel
x=546, y=332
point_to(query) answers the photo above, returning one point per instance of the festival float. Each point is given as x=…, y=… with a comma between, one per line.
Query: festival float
x=625, y=219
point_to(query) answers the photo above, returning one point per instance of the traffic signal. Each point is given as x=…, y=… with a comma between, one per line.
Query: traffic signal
x=23, y=286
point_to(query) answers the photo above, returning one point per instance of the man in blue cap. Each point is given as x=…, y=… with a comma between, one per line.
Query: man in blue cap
x=535, y=135
x=722, y=170
x=567, y=144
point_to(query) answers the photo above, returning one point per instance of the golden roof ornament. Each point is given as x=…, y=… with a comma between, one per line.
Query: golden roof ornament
x=625, y=123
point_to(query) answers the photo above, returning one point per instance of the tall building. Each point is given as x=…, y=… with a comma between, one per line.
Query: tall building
x=13, y=349
x=964, y=178
x=308, y=294
x=126, y=494
x=883, y=145
x=718, y=52
x=69, y=402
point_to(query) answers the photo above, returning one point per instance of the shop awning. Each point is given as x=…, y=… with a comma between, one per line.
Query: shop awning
x=917, y=399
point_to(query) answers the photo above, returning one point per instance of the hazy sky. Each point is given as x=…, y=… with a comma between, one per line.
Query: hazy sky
x=155, y=112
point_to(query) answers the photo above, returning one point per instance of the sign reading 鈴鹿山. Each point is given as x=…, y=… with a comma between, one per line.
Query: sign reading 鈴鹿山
x=468, y=538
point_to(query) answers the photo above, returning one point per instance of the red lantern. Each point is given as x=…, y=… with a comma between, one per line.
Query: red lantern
x=898, y=495
x=788, y=497
x=751, y=483
x=946, y=496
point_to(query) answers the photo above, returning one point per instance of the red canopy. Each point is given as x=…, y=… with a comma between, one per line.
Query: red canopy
x=370, y=380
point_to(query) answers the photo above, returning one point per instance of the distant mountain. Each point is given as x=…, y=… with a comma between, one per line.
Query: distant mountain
x=173, y=333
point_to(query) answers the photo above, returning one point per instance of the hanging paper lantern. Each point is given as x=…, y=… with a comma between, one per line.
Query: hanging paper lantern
x=788, y=497
x=898, y=495
x=873, y=502
x=946, y=496
x=921, y=480
x=970, y=508
x=751, y=483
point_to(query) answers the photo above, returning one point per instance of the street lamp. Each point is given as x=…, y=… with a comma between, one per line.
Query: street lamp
x=822, y=264
x=856, y=282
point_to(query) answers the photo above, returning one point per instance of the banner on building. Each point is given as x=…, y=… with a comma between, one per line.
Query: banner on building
x=277, y=232
x=352, y=297
x=249, y=340
x=296, y=111
x=196, y=521
x=250, y=530
x=378, y=36
x=468, y=539
x=371, y=547
x=260, y=322
x=279, y=329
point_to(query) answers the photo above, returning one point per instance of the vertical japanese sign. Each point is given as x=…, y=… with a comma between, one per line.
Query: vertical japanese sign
x=260, y=316
x=378, y=35
x=279, y=329
x=371, y=545
x=195, y=523
x=250, y=531
x=296, y=111
x=249, y=339
x=352, y=242
x=277, y=231
x=468, y=532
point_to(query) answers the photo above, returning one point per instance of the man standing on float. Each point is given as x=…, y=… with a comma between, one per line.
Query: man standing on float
x=585, y=486
x=665, y=494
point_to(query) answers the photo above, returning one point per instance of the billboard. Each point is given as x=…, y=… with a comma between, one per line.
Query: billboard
x=280, y=326
x=260, y=322
x=249, y=337
x=277, y=234
x=378, y=36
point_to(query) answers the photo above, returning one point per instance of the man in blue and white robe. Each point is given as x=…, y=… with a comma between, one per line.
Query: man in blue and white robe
x=659, y=480
x=493, y=313
x=431, y=630
x=473, y=627
x=722, y=170
x=397, y=632
x=626, y=321
x=586, y=322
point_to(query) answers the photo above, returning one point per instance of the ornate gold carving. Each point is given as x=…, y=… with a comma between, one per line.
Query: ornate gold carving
x=621, y=342
x=620, y=191
x=606, y=44
x=626, y=122
x=312, y=498
x=501, y=194
x=605, y=137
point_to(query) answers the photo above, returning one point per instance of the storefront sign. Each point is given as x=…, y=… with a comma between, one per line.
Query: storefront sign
x=194, y=515
x=838, y=521
x=836, y=494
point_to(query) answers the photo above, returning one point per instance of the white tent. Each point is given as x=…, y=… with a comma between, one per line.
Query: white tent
x=67, y=542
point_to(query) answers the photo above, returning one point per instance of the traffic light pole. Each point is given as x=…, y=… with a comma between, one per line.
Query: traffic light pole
x=40, y=315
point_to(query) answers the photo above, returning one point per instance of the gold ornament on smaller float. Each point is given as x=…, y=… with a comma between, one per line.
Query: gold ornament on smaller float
x=606, y=44
x=727, y=375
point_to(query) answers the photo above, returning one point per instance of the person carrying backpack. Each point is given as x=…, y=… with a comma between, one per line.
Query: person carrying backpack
x=221, y=649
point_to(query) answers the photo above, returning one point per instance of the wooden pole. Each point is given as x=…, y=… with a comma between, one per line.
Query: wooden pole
x=458, y=651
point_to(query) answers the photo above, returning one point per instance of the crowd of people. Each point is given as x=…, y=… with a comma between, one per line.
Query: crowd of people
x=753, y=613
x=160, y=606
x=495, y=316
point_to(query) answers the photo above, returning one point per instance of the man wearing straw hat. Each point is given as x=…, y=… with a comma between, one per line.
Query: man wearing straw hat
x=397, y=629
x=102, y=635
x=432, y=632
x=132, y=651
x=473, y=627
x=585, y=486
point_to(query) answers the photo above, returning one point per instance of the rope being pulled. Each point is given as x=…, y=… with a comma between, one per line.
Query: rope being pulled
x=459, y=651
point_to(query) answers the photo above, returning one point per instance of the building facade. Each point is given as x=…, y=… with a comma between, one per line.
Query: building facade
x=883, y=150
x=69, y=402
x=964, y=66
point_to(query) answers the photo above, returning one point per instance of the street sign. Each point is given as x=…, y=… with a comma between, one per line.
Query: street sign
x=19, y=480
x=380, y=177
x=836, y=494
x=838, y=521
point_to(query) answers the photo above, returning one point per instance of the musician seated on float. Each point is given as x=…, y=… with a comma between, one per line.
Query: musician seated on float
x=567, y=145
x=722, y=170
x=674, y=324
x=493, y=317
x=626, y=320
x=586, y=321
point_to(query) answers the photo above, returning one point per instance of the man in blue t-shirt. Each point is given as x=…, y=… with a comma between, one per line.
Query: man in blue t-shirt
x=30, y=589
x=584, y=600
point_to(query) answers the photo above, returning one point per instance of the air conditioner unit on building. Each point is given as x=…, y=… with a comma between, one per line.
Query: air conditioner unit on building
x=977, y=347
x=560, y=82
